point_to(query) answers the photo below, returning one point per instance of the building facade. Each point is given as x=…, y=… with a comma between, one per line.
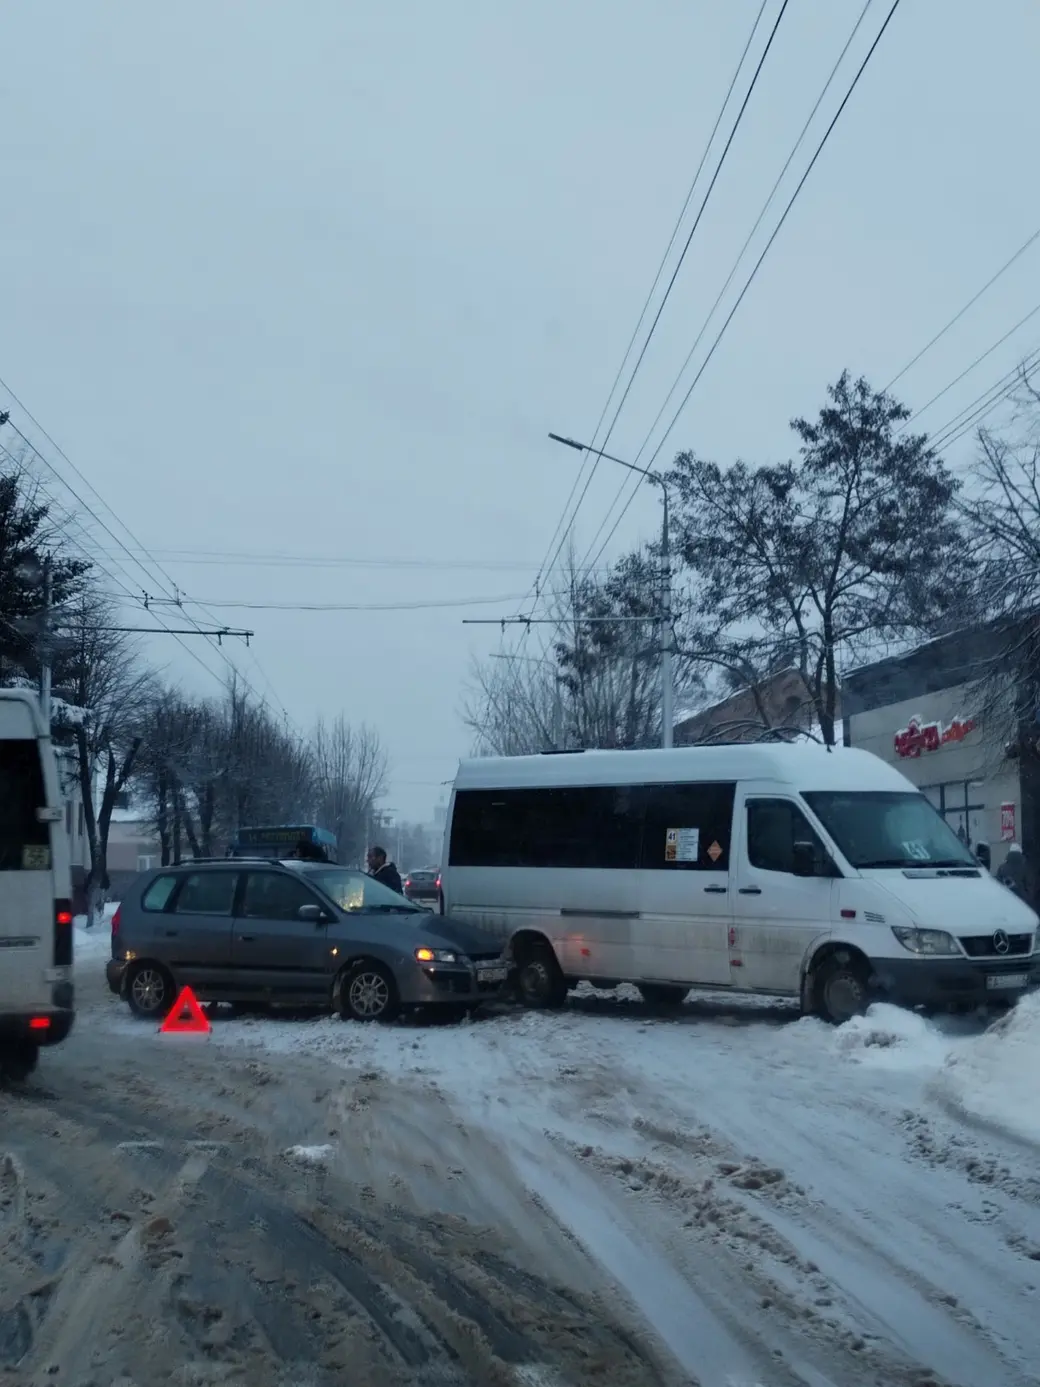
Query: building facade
x=936, y=715
x=780, y=701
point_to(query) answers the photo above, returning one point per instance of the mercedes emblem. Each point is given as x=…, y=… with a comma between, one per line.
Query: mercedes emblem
x=1001, y=943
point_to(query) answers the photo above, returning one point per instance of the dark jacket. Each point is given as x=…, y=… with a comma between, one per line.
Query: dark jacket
x=389, y=876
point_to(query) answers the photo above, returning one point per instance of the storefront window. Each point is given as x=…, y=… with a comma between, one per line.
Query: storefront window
x=962, y=805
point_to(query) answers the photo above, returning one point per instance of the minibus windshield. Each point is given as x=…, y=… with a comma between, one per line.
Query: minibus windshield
x=888, y=828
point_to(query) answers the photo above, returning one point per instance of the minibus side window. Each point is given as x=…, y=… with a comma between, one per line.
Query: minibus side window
x=24, y=842
x=687, y=827
x=773, y=828
x=562, y=826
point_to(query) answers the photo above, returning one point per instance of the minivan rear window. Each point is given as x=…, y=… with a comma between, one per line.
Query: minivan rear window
x=158, y=893
x=24, y=842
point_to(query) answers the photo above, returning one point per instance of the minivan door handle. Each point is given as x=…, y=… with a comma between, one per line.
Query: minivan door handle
x=751, y=891
x=715, y=890
x=247, y=938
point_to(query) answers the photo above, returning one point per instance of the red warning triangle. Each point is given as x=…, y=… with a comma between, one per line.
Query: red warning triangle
x=187, y=1017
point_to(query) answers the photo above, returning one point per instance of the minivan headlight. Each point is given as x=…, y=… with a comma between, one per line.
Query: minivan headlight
x=925, y=941
x=438, y=956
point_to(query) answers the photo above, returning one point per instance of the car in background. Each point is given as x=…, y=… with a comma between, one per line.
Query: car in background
x=424, y=886
x=294, y=933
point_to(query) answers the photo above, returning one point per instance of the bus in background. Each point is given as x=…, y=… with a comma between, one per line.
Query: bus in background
x=280, y=841
x=36, y=990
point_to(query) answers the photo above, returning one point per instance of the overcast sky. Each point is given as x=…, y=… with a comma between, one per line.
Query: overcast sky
x=315, y=279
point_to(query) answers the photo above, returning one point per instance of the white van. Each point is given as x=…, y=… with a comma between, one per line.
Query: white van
x=789, y=870
x=36, y=997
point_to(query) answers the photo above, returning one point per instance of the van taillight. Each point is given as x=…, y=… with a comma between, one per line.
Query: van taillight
x=116, y=922
x=62, y=934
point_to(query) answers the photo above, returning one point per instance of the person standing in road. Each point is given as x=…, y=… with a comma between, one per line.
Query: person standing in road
x=1015, y=874
x=381, y=869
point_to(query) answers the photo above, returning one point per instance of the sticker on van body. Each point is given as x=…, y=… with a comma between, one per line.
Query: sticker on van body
x=682, y=845
x=35, y=858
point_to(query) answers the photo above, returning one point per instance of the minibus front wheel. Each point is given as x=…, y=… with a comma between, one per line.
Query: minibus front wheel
x=539, y=978
x=839, y=986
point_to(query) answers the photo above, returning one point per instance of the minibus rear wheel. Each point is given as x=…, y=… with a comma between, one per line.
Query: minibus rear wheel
x=841, y=987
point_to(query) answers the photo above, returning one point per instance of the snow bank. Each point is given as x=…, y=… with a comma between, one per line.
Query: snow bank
x=996, y=1076
x=92, y=945
x=888, y=1037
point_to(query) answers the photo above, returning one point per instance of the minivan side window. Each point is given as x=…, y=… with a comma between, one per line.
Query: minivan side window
x=158, y=893
x=773, y=828
x=274, y=896
x=687, y=827
x=206, y=893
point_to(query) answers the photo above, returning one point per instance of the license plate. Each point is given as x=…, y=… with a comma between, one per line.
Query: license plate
x=492, y=974
x=1002, y=980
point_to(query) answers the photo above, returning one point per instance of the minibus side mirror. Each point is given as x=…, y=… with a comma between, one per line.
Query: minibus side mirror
x=803, y=860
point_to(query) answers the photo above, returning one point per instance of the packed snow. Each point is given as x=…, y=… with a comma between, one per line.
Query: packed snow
x=873, y=1187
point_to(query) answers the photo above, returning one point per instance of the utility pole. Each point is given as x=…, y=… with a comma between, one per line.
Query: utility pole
x=667, y=672
x=667, y=675
x=45, y=643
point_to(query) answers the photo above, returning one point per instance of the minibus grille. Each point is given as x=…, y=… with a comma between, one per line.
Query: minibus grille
x=987, y=945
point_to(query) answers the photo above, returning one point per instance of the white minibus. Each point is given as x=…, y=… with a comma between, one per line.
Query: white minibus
x=36, y=990
x=790, y=870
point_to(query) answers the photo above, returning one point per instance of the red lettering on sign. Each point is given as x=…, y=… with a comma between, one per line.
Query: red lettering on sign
x=918, y=736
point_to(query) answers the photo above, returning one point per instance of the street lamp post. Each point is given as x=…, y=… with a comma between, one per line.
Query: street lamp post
x=667, y=671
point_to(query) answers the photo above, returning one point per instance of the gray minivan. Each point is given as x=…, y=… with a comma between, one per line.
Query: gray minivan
x=293, y=933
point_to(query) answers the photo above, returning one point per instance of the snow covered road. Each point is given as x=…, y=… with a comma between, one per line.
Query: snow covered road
x=737, y=1196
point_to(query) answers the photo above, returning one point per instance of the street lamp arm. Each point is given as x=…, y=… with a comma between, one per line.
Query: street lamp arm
x=646, y=472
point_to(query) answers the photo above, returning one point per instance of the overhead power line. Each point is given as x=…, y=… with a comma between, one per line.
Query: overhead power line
x=968, y=369
x=984, y=404
x=757, y=266
x=121, y=543
x=410, y=606
x=626, y=482
x=550, y=564
x=961, y=312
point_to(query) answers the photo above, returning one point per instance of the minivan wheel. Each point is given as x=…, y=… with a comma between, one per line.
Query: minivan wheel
x=841, y=990
x=540, y=981
x=149, y=991
x=369, y=993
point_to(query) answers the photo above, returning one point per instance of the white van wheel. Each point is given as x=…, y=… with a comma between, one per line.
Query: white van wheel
x=540, y=981
x=840, y=989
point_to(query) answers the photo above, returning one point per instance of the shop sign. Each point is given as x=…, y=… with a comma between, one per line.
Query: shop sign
x=918, y=736
x=1007, y=823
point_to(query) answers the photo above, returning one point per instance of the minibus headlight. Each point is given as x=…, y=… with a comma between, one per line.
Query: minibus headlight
x=925, y=941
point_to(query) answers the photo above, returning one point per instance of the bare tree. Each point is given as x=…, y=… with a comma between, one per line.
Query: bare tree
x=1003, y=521
x=113, y=693
x=349, y=768
x=598, y=684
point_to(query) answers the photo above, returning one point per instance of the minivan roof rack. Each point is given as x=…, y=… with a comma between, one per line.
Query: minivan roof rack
x=563, y=751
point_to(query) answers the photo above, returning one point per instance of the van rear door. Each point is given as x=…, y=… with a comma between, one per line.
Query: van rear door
x=27, y=868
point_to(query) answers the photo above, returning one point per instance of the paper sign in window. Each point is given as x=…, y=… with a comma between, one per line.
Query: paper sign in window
x=682, y=845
